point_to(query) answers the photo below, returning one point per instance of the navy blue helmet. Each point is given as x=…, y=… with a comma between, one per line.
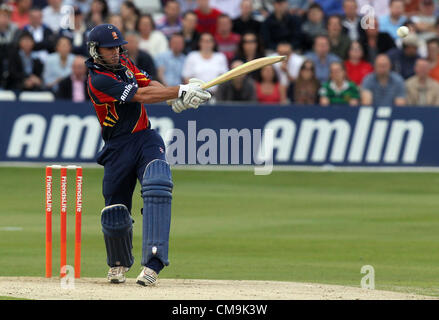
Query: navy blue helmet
x=105, y=36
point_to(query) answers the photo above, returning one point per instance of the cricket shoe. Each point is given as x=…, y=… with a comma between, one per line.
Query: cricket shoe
x=117, y=274
x=147, y=277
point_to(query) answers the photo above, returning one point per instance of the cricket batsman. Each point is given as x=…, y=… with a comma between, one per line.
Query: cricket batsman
x=133, y=151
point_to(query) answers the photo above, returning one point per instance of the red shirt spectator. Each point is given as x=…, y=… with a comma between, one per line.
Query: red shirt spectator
x=207, y=17
x=268, y=87
x=226, y=40
x=356, y=67
x=263, y=97
x=20, y=13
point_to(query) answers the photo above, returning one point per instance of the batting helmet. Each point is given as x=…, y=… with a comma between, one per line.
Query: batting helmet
x=105, y=36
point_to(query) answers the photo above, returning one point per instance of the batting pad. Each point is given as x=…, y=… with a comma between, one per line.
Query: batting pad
x=157, y=196
x=117, y=227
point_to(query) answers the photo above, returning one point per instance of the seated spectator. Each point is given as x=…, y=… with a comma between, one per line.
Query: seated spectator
x=239, y=89
x=205, y=64
x=339, y=90
x=24, y=68
x=78, y=36
x=52, y=15
x=130, y=15
x=228, y=7
x=331, y=7
x=305, y=89
x=8, y=34
x=340, y=42
x=226, y=40
x=117, y=21
x=189, y=32
x=373, y=41
x=411, y=7
x=288, y=69
x=74, y=86
x=298, y=7
x=281, y=26
x=170, y=63
x=351, y=19
x=249, y=48
x=356, y=67
x=433, y=57
x=425, y=20
x=206, y=17
x=43, y=36
x=403, y=60
x=383, y=87
x=20, y=13
x=141, y=59
x=421, y=89
x=152, y=41
x=268, y=88
x=82, y=5
x=313, y=26
x=322, y=58
x=188, y=5
x=58, y=64
x=170, y=23
x=245, y=22
x=395, y=19
x=98, y=14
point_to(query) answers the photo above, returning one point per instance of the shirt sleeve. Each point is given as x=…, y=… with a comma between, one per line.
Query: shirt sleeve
x=142, y=77
x=106, y=88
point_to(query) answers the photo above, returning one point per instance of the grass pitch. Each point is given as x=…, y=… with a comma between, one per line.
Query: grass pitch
x=319, y=227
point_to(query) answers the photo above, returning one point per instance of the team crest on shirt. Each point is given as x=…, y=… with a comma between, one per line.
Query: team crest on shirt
x=129, y=74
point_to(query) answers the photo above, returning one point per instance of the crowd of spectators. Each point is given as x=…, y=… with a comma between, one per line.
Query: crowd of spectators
x=339, y=52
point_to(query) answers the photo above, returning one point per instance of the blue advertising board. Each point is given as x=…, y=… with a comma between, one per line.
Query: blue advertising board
x=248, y=134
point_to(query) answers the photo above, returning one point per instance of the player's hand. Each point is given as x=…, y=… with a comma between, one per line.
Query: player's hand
x=178, y=105
x=192, y=95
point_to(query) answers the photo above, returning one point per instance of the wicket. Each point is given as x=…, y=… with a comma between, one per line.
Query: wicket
x=63, y=219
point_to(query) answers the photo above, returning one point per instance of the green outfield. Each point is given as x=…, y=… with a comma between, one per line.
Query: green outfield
x=319, y=227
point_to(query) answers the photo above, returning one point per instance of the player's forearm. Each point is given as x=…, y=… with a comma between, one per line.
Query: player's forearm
x=154, y=94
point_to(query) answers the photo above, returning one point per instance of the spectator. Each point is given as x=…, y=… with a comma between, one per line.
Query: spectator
x=226, y=40
x=113, y=6
x=313, y=26
x=298, y=7
x=356, y=67
x=8, y=35
x=130, y=15
x=433, y=57
x=190, y=34
x=245, y=22
x=339, y=90
x=331, y=7
x=58, y=64
x=383, y=87
x=82, y=5
x=74, y=86
x=425, y=21
x=351, y=19
x=411, y=7
x=20, y=14
x=170, y=23
x=207, y=17
x=403, y=60
x=232, y=8
x=187, y=5
x=141, y=59
x=375, y=42
x=152, y=41
x=170, y=63
x=52, y=16
x=98, y=13
x=239, y=89
x=249, y=48
x=305, y=89
x=43, y=36
x=288, y=70
x=78, y=36
x=117, y=21
x=395, y=19
x=24, y=68
x=340, y=42
x=268, y=87
x=205, y=64
x=421, y=88
x=281, y=26
x=379, y=8
x=322, y=58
